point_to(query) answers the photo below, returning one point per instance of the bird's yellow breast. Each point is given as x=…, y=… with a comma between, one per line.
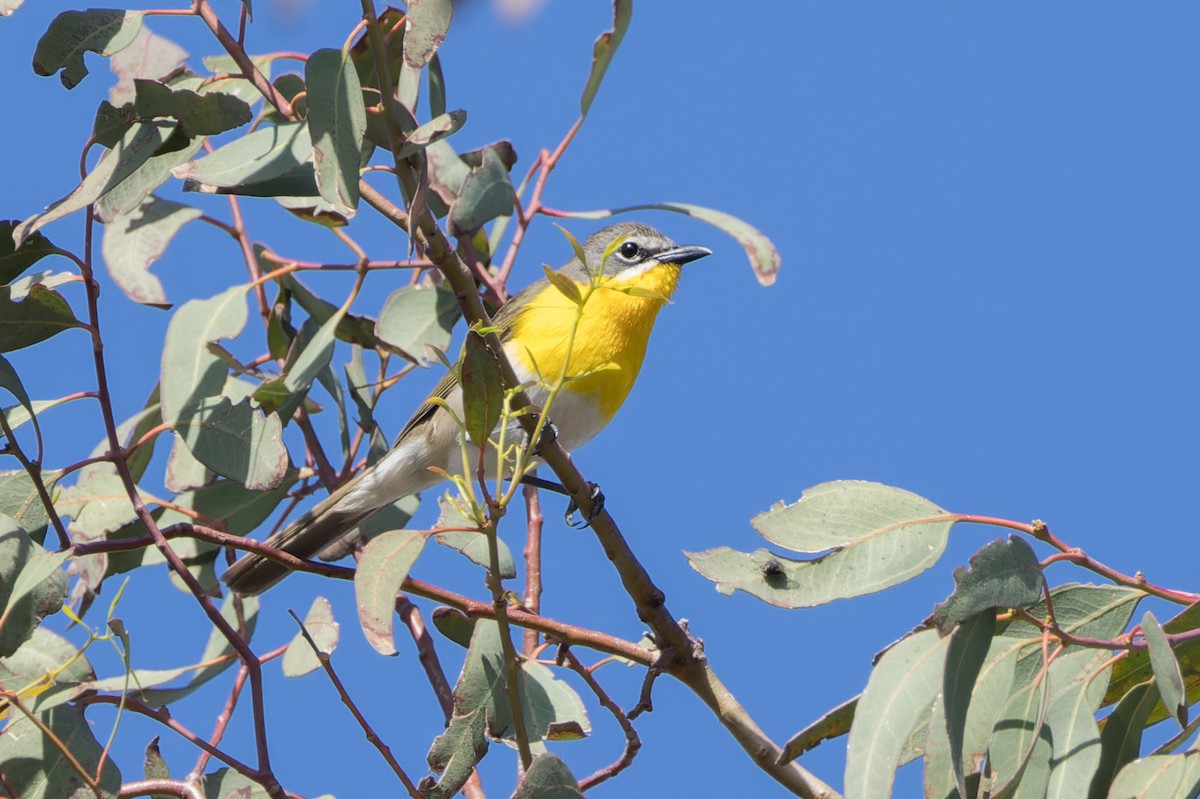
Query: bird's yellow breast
x=610, y=342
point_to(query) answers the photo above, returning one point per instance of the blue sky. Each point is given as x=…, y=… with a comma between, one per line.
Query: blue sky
x=987, y=218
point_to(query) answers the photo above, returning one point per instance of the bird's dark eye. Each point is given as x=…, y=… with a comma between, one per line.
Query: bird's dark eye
x=629, y=250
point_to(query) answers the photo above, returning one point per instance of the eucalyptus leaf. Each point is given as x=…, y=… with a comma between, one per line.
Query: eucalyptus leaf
x=603, y=51
x=381, y=571
x=73, y=33
x=428, y=22
x=14, y=260
x=35, y=769
x=299, y=659
x=134, y=241
x=337, y=122
x=136, y=147
x=901, y=688
x=415, y=318
x=190, y=372
x=41, y=314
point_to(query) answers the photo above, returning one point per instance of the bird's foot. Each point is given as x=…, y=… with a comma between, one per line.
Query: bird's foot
x=597, y=497
x=547, y=437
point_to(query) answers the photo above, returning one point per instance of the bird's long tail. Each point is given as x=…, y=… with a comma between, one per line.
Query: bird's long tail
x=304, y=538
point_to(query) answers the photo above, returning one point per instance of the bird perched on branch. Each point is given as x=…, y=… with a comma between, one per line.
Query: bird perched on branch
x=628, y=272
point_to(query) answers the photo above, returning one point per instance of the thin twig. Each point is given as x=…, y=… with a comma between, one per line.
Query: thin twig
x=384, y=750
x=533, y=560
x=92, y=780
x=1039, y=530
x=34, y=470
x=185, y=789
x=632, y=742
x=163, y=716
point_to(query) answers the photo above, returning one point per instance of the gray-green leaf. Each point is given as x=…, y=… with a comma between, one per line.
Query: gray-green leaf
x=299, y=659
x=415, y=318
x=337, y=122
x=384, y=564
x=73, y=33
x=134, y=241
x=603, y=51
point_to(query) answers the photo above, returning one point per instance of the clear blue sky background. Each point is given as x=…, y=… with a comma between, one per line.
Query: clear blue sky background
x=987, y=216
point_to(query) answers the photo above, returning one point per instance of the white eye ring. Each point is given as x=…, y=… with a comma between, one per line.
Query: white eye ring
x=629, y=251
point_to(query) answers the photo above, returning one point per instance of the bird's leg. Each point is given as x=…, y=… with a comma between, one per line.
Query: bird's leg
x=548, y=435
x=594, y=492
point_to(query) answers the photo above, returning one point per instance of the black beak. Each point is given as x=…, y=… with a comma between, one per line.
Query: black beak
x=682, y=255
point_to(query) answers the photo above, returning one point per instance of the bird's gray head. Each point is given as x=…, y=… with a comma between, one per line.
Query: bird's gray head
x=641, y=246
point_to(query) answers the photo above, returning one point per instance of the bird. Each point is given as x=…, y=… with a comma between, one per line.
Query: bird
x=633, y=271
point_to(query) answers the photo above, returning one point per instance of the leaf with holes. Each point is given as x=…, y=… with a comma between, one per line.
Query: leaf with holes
x=73, y=33
x=879, y=536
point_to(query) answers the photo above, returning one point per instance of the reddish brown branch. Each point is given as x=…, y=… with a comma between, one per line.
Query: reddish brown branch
x=632, y=742
x=533, y=561
x=163, y=716
x=384, y=750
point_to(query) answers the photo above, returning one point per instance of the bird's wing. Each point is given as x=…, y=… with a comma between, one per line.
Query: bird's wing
x=503, y=320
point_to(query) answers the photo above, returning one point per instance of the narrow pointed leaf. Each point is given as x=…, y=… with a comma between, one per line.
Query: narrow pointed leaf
x=432, y=131
x=268, y=153
x=965, y=657
x=833, y=724
x=1121, y=737
x=15, y=260
x=764, y=257
x=154, y=766
x=1078, y=690
x=315, y=356
x=900, y=690
x=134, y=149
x=482, y=388
x=603, y=51
x=337, y=121
x=1166, y=668
x=565, y=285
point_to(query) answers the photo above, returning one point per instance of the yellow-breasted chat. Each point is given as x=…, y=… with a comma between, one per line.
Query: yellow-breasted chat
x=629, y=272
